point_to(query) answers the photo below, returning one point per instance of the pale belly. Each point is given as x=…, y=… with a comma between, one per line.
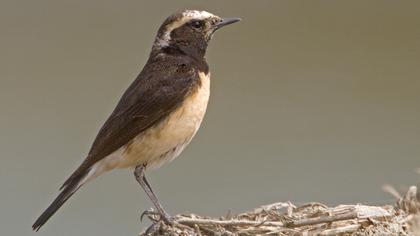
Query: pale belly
x=166, y=141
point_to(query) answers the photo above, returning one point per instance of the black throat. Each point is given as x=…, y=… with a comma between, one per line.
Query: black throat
x=195, y=54
x=195, y=50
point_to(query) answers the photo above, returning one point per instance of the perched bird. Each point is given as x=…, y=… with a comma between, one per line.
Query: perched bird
x=159, y=113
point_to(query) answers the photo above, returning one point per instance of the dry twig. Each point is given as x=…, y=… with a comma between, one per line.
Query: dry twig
x=307, y=219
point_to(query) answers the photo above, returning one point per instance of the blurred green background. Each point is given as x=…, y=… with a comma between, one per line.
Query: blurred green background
x=311, y=101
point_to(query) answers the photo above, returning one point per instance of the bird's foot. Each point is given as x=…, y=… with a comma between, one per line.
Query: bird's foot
x=157, y=216
x=163, y=221
x=151, y=214
x=165, y=217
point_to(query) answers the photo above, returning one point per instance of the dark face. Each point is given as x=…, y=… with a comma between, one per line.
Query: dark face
x=195, y=30
x=190, y=31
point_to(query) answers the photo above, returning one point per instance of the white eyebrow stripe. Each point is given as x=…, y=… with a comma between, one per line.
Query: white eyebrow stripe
x=186, y=17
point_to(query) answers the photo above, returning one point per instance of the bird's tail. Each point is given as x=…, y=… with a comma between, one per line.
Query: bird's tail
x=66, y=192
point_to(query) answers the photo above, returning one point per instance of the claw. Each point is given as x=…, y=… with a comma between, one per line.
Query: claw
x=150, y=214
x=152, y=229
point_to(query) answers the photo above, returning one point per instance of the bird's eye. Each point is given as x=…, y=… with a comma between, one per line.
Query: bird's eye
x=197, y=24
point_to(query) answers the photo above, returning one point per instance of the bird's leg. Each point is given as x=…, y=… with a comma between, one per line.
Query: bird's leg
x=139, y=173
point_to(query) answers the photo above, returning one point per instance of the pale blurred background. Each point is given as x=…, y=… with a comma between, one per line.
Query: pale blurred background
x=311, y=101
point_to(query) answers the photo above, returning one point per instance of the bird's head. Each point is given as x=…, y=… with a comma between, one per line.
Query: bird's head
x=189, y=31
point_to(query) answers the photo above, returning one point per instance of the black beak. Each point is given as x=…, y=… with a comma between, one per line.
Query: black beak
x=226, y=21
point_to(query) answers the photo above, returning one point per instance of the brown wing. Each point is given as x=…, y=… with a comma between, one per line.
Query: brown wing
x=158, y=90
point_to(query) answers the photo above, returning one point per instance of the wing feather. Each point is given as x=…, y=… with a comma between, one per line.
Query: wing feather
x=158, y=90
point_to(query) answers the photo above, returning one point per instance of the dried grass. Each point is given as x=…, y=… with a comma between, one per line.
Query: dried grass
x=309, y=219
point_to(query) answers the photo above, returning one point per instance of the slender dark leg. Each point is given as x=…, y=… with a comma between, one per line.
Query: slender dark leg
x=141, y=178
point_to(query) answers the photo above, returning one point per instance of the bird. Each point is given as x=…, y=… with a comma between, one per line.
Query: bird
x=158, y=114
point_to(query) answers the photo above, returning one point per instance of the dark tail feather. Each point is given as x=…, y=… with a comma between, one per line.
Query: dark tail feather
x=65, y=194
